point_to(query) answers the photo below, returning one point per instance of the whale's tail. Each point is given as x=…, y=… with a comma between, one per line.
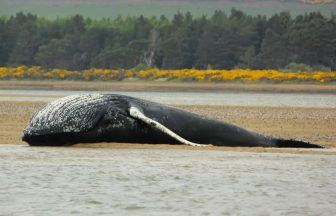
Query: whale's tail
x=282, y=143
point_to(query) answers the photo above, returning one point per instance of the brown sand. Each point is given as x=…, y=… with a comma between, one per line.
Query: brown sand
x=169, y=86
x=315, y=125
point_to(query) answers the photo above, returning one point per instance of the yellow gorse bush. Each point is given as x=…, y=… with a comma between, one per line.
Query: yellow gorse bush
x=245, y=75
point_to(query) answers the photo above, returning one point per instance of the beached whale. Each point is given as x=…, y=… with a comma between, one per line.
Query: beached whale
x=117, y=118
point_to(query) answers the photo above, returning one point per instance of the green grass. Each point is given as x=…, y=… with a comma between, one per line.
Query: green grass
x=99, y=11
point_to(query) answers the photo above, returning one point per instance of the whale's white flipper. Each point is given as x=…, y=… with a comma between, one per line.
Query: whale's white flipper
x=136, y=113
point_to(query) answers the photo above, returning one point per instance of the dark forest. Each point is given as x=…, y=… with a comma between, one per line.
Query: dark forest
x=220, y=41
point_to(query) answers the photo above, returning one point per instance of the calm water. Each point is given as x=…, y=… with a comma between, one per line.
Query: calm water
x=192, y=98
x=86, y=181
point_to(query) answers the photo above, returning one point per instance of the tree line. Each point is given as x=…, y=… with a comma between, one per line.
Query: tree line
x=221, y=41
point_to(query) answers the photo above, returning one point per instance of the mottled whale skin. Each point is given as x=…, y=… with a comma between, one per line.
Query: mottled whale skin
x=91, y=118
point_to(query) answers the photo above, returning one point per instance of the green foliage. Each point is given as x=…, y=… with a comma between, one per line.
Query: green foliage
x=119, y=58
x=321, y=68
x=140, y=67
x=300, y=67
x=57, y=53
x=248, y=59
x=222, y=41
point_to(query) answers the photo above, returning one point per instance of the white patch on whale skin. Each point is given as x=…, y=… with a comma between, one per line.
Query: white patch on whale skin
x=136, y=113
x=69, y=114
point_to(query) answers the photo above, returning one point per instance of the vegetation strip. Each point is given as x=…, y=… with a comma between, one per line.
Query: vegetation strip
x=245, y=75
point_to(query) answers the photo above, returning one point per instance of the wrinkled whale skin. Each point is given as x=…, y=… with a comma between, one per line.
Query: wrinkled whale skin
x=91, y=118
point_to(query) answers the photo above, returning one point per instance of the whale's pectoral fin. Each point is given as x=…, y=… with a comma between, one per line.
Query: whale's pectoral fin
x=136, y=113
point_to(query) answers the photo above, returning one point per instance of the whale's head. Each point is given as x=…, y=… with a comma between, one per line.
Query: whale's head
x=66, y=119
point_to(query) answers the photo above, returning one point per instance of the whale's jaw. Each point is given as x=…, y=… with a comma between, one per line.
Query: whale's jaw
x=60, y=139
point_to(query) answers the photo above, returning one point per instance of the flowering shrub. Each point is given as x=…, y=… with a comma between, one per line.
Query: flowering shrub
x=245, y=75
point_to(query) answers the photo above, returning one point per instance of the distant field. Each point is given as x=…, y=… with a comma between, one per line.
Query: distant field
x=112, y=9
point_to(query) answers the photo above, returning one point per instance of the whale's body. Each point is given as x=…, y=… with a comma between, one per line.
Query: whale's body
x=109, y=118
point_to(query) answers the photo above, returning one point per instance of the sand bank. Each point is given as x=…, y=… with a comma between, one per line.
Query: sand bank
x=169, y=86
x=316, y=125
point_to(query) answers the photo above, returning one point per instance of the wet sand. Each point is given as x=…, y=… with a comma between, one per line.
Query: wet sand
x=316, y=125
x=169, y=86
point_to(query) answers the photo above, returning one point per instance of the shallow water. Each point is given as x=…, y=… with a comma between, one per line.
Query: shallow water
x=90, y=181
x=191, y=98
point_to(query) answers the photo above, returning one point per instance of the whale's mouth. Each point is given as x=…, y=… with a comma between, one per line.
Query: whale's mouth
x=56, y=139
x=48, y=137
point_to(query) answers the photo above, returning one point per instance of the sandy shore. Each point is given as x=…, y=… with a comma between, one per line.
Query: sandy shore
x=169, y=86
x=316, y=125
